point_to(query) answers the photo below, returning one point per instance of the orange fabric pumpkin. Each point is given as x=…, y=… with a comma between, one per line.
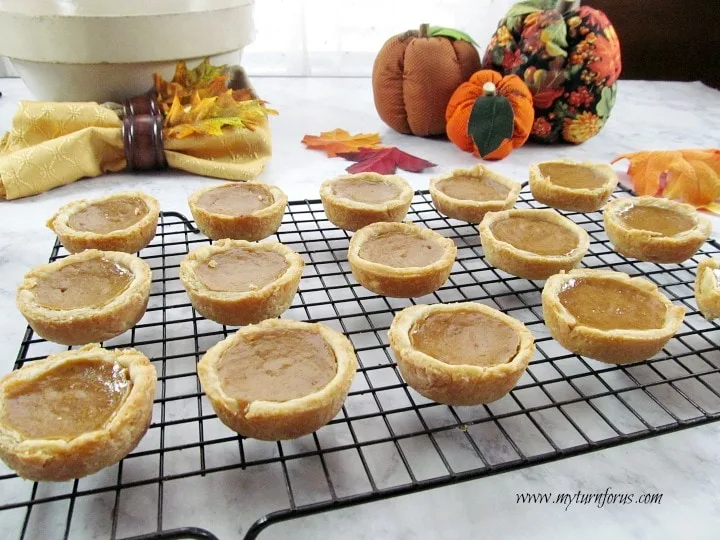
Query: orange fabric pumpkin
x=491, y=129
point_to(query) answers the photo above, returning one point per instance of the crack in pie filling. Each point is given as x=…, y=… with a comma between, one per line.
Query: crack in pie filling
x=608, y=315
x=74, y=413
x=354, y=201
x=238, y=210
x=460, y=354
x=570, y=185
x=124, y=221
x=468, y=194
x=235, y=282
x=533, y=244
x=654, y=229
x=87, y=297
x=279, y=379
x=400, y=260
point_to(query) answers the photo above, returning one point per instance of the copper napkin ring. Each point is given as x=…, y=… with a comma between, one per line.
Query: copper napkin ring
x=142, y=134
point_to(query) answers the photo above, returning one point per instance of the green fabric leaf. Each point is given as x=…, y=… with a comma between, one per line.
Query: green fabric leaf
x=529, y=6
x=526, y=7
x=490, y=123
x=554, y=37
x=573, y=70
x=440, y=31
x=607, y=100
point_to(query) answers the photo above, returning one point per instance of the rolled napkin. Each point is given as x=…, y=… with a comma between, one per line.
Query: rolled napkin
x=53, y=144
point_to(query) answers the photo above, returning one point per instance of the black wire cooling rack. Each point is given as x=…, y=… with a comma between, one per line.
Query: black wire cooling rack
x=191, y=477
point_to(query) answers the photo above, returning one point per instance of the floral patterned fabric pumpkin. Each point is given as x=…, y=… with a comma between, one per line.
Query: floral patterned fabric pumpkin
x=569, y=56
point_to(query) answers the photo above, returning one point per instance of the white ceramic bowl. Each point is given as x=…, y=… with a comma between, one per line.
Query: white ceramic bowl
x=107, y=50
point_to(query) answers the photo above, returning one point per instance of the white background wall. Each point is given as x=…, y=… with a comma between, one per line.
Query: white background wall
x=341, y=37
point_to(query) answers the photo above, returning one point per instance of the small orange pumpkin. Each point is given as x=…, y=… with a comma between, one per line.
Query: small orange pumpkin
x=490, y=115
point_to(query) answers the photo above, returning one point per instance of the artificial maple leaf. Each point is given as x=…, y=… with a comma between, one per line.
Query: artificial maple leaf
x=690, y=176
x=338, y=140
x=198, y=102
x=384, y=160
x=211, y=121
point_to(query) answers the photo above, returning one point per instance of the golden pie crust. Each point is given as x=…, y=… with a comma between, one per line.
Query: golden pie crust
x=409, y=282
x=352, y=215
x=707, y=288
x=524, y=263
x=578, y=186
x=130, y=239
x=653, y=246
x=611, y=345
x=81, y=325
x=471, y=210
x=246, y=307
x=279, y=420
x=459, y=384
x=59, y=459
x=252, y=226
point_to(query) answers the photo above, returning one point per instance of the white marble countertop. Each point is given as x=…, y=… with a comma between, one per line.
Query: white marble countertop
x=684, y=466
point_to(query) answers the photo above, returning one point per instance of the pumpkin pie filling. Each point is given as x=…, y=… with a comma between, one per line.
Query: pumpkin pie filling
x=472, y=188
x=276, y=365
x=571, y=176
x=401, y=250
x=88, y=284
x=465, y=338
x=67, y=401
x=241, y=270
x=236, y=200
x=611, y=305
x=656, y=219
x=114, y=214
x=535, y=235
x=363, y=190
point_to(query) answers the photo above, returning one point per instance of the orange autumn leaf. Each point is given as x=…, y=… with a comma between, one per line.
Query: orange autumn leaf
x=338, y=140
x=690, y=176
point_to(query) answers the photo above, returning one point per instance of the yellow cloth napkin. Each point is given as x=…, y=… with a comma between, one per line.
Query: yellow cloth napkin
x=53, y=144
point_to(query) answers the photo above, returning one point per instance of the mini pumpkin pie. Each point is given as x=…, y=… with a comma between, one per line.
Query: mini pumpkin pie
x=569, y=185
x=608, y=315
x=355, y=200
x=86, y=297
x=124, y=221
x=75, y=412
x=400, y=260
x=236, y=282
x=238, y=210
x=460, y=354
x=468, y=194
x=532, y=244
x=279, y=379
x=654, y=229
x=707, y=288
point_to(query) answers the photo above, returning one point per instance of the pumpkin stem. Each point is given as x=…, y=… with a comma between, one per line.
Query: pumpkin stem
x=563, y=6
x=489, y=89
x=424, y=30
